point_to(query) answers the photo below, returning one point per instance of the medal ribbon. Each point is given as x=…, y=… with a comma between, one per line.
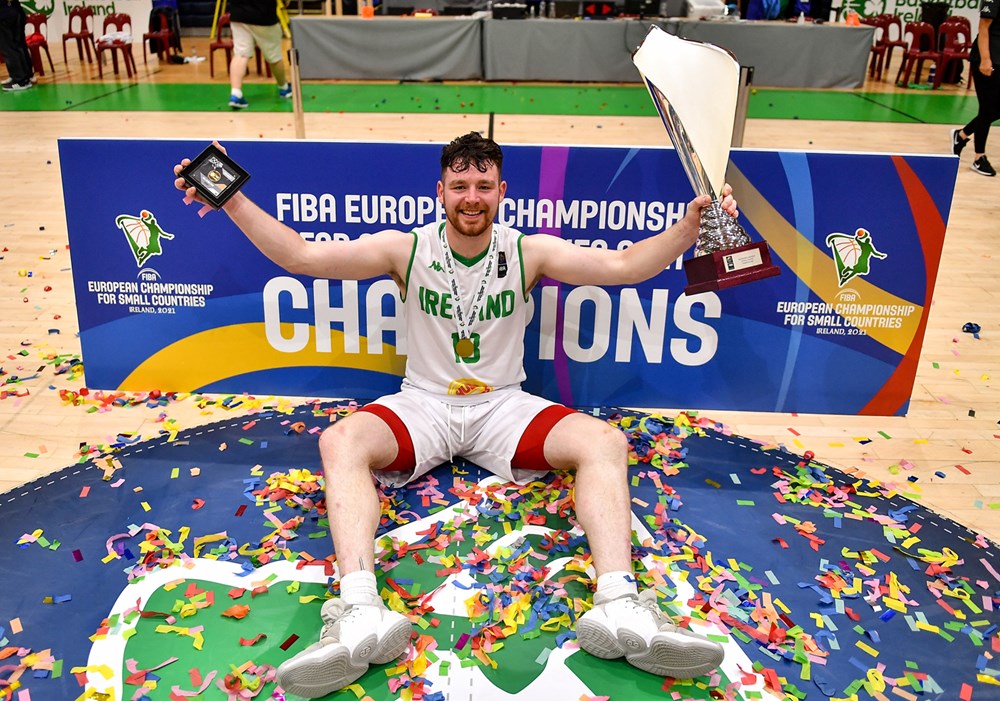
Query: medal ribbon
x=464, y=319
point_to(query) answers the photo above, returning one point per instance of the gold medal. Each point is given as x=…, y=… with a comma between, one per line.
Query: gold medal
x=465, y=348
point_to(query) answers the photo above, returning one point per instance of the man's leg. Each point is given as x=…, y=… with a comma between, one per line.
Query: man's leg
x=350, y=450
x=237, y=71
x=622, y=622
x=357, y=628
x=598, y=452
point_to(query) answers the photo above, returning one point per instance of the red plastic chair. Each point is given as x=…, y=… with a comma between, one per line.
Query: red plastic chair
x=922, y=42
x=878, y=45
x=163, y=37
x=224, y=41
x=956, y=46
x=893, y=37
x=36, y=35
x=120, y=24
x=83, y=18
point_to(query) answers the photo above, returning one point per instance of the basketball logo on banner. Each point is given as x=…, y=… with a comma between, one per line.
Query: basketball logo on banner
x=853, y=254
x=143, y=234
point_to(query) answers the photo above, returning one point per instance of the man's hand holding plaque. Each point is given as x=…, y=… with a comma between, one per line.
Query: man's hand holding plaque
x=694, y=87
x=212, y=177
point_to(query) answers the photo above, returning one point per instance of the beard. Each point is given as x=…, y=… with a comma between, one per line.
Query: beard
x=471, y=229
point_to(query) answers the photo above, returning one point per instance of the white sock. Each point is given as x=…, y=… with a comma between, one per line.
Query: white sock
x=359, y=588
x=615, y=585
x=236, y=93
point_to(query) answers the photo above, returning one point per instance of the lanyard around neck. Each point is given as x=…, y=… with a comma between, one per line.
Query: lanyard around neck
x=465, y=319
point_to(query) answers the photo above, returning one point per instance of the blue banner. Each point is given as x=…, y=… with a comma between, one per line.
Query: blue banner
x=170, y=301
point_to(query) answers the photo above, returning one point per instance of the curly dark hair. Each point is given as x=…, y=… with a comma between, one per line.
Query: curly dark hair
x=472, y=149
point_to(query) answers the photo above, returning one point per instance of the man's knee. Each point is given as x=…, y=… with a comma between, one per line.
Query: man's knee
x=593, y=440
x=362, y=438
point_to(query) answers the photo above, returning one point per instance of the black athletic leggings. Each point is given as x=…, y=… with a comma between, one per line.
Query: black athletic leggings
x=12, y=43
x=988, y=93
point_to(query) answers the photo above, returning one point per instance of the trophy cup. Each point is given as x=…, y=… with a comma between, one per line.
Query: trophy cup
x=694, y=87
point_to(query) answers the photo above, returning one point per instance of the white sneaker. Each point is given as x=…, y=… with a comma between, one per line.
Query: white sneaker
x=639, y=630
x=352, y=638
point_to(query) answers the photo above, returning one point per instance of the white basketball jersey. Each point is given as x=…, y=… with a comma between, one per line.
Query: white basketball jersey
x=497, y=332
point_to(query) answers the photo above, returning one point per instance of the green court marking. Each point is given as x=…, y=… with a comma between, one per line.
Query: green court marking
x=483, y=98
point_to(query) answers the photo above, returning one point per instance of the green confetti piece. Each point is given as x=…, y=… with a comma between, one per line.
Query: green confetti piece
x=741, y=635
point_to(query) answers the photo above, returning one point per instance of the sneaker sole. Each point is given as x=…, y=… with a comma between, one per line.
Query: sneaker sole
x=331, y=668
x=394, y=643
x=664, y=658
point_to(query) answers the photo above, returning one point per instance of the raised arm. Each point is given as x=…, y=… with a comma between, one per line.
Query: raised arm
x=556, y=258
x=384, y=253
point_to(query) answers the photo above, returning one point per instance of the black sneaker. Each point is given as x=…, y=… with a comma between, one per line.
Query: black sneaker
x=957, y=142
x=13, y=85
x=983, y=167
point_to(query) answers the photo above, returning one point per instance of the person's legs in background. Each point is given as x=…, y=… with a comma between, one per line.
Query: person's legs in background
x=988, y=95
x=243, y=48
x=15, y=49
x=269, y=41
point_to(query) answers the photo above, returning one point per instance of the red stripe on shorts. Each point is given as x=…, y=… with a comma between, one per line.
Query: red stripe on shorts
x=530, y=453
x=405, y=458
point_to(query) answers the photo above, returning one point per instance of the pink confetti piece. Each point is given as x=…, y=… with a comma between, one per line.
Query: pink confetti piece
x=989, y=568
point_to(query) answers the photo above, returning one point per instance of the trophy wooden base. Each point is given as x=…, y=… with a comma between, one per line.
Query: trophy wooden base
x=735, y=266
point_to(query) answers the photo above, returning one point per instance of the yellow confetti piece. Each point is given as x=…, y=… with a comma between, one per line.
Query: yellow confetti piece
x=103, y=669
x=868, y=648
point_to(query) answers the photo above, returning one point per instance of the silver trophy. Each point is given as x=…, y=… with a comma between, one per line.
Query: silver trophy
x=695, y=87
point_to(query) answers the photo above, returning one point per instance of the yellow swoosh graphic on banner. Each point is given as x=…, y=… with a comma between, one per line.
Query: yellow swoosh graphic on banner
x=815, y=267
x=227, y=351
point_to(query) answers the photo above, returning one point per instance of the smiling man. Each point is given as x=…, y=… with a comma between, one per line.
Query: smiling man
x=465, y=285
